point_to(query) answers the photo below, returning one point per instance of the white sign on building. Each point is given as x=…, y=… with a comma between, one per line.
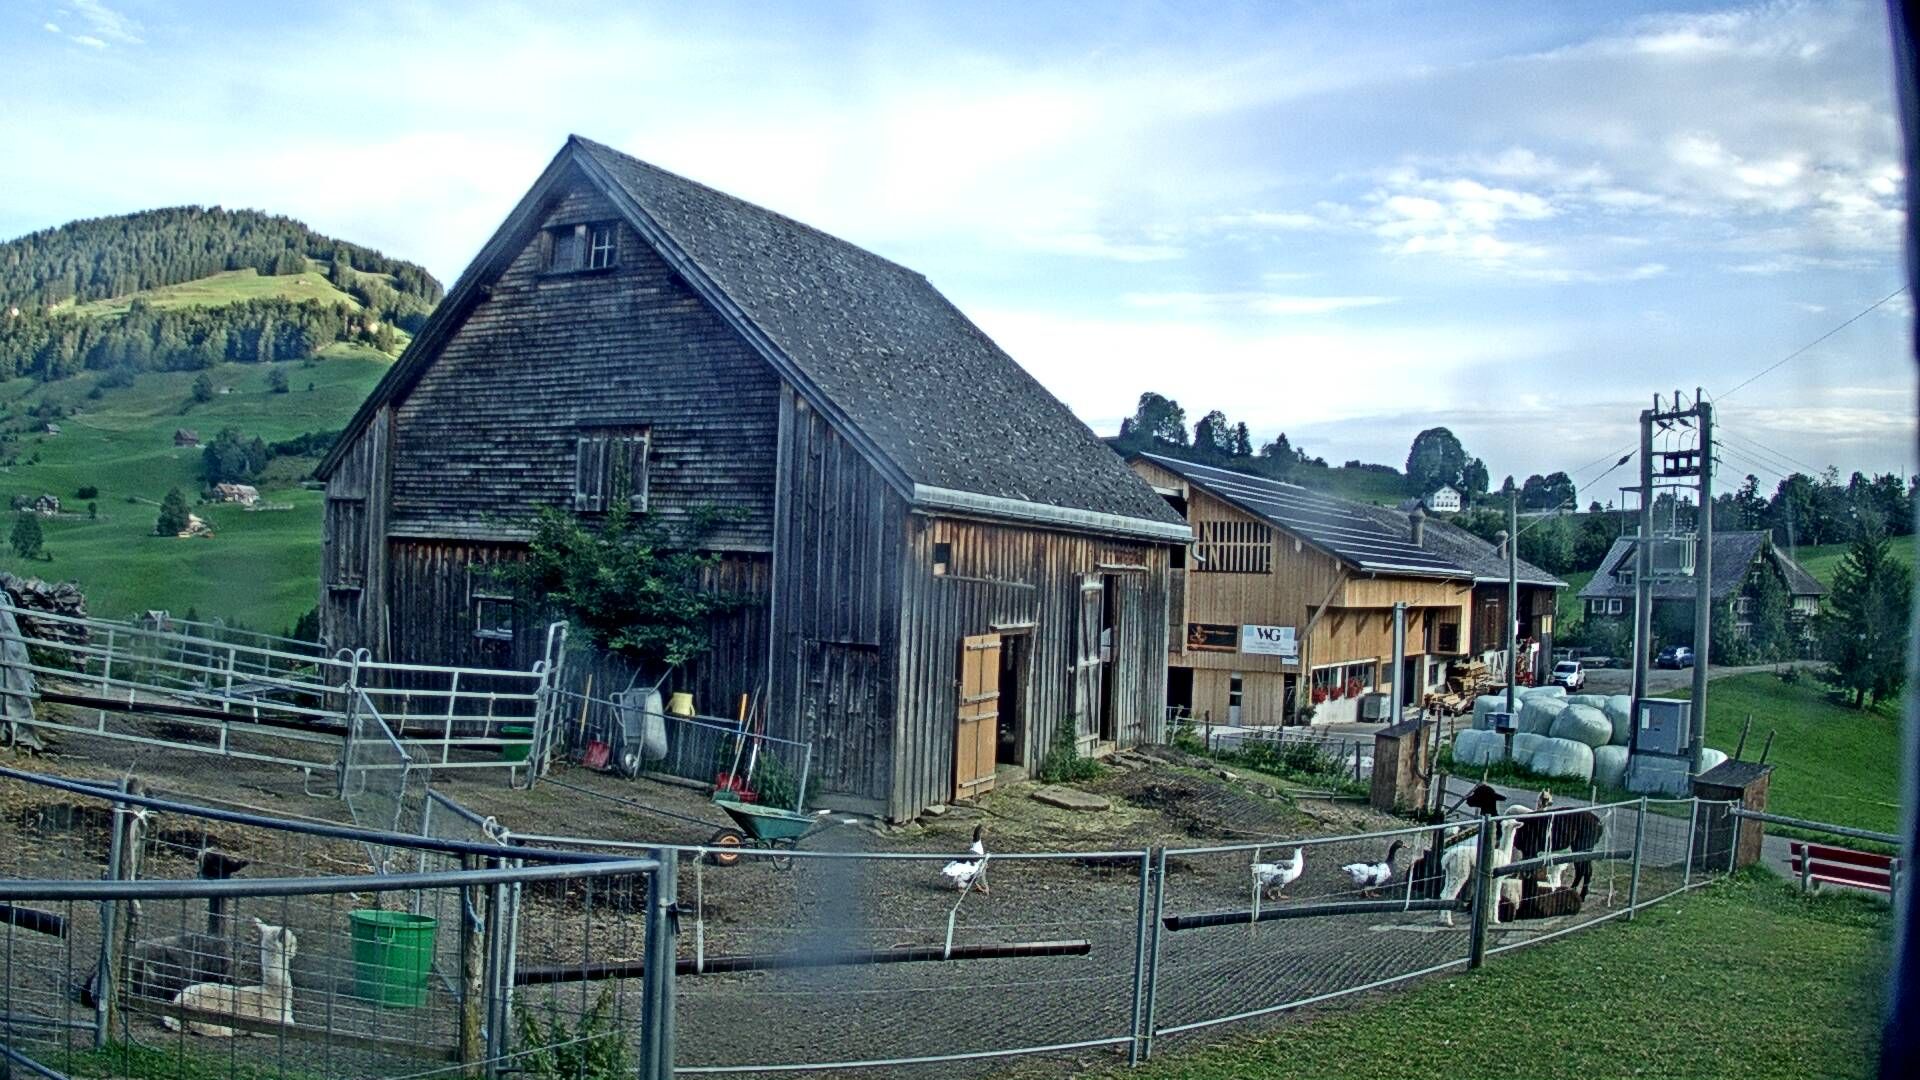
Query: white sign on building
x=1269, y=641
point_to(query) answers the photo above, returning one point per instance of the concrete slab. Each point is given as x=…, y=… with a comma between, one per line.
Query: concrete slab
x=1067, y=798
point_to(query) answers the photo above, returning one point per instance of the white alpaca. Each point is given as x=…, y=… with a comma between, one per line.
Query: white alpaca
x=272, y=1002
x=1457, y=862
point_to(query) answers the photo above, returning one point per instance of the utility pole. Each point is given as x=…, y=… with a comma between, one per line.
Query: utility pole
x=1513, y=596
x=1702, y=583
x=1643, y=563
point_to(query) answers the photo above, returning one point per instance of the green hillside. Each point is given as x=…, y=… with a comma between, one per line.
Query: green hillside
x=1823, y=559
x=226, y=287
x=260, y=567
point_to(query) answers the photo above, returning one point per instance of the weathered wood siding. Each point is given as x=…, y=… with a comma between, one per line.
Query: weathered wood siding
x=835, y=591
x=353, y=543
x=1006, y=578
x=488, y=433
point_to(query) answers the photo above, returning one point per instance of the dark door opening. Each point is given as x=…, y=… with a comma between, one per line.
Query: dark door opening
x=1180, y=690
x=1011, y=748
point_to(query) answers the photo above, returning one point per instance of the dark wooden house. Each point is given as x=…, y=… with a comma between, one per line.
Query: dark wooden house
x=942, y=563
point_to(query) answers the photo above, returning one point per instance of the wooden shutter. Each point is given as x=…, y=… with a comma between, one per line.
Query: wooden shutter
x=590, y=473
x=978, y=735
x=346, y=543
x=1085, y=671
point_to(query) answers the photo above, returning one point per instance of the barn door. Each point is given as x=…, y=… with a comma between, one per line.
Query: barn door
x=979, y=727
x=1087, y=656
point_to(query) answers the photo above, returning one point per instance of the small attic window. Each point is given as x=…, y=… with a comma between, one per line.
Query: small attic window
x=942, y=558
x=572, y=248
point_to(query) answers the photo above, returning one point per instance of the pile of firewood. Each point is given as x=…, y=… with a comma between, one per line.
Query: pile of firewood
x=32, y=594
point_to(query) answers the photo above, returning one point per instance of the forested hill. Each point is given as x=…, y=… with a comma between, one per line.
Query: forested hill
x=104, y=258
x=188, y=287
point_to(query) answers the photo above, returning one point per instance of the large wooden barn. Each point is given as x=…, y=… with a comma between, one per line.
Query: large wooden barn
x=942, y=564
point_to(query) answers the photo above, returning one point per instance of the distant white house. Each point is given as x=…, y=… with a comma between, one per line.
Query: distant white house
x=244, y=494
x=1446, y=500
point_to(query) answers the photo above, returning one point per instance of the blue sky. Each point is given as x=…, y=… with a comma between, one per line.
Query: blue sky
x=1345, y=221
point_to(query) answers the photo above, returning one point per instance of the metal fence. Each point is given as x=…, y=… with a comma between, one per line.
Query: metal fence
x=378, y=782
x=212, y=924
x=248, y=698
x=823, y=958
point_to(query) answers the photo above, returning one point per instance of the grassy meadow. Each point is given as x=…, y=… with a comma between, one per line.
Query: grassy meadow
x=260, y=567
x=1692, y=987
x=1821, y=560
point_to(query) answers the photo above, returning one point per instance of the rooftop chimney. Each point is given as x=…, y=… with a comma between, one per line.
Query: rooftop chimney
x=1418, y=519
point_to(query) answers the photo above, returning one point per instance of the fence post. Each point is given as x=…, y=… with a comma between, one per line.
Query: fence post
x=1140, y=956
x=1639, y=844
x=1153, y=955
x=656, y=1003
x=1693, y=825
x=472, y=973
x=1482, y=889
x=1733, y=842
x=103, y=981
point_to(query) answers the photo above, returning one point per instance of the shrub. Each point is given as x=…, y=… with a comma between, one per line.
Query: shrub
x=173, y=514
x=593, y=1048
x=1063, y=763
x=87, y=491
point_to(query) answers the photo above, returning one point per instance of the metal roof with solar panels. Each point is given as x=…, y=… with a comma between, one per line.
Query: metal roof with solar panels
x=1333, y=525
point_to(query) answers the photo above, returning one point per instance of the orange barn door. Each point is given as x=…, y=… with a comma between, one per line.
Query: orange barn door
x=979, y=726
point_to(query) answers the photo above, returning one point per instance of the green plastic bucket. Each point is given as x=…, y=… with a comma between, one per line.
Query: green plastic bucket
x=520, y=742
x=392, y=956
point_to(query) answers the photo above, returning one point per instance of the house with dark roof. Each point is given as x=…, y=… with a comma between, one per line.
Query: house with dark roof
x=940, y=564
x=1286, y=598
x=1740, y=560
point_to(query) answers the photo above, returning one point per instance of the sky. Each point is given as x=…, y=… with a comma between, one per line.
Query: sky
x=1344, y=221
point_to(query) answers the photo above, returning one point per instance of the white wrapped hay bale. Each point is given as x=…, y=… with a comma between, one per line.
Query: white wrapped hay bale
x=1583, y=724
x=1563, y=758
x=1610, y=766
x=1591, y=701
x=1710, y=757
x=1620, y=711
x=1537, y=715
x=1484, y=707
x=1479, y=748
x=1548, y=691
x=1524, y=745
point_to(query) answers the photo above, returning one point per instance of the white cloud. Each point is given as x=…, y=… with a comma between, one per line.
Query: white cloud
x=50, y=27
x=89, y=41
x=107, y=23
x=1250, y=303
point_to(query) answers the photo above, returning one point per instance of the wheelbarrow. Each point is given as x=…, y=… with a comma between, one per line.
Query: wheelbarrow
x=768, y=827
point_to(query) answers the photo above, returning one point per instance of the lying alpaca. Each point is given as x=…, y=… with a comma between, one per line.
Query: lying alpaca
x=272, y=1002
x=162, y=967
x=1458, y=864
x=1542, y=905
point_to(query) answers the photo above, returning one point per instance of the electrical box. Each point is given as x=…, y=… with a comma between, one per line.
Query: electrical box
x=1505, y=723
x=1664, y=727
x=1375, y=707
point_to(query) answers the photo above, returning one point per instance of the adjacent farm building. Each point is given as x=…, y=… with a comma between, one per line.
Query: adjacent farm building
x=1286, y=600
x=1749, y=573
x=941, y=564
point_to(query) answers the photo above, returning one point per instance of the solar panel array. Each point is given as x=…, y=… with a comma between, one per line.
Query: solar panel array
x=1331, y=524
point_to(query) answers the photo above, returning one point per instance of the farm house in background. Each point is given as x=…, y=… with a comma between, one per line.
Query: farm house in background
x=1283, y=581
x=908, y=511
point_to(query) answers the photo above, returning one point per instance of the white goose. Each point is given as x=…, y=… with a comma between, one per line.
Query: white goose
x=1370, y=876
x=962, y=874
x=1273, y=877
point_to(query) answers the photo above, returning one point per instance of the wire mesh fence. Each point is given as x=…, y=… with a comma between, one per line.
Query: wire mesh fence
x=829, y=957
x=227, y=944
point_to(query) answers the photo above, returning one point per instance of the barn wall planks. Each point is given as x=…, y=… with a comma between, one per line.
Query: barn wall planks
x=1014, y=579
x=835, y=587
x=353, y=543
x=488, y=433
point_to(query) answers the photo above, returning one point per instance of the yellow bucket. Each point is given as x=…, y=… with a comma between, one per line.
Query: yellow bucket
x=680, y=704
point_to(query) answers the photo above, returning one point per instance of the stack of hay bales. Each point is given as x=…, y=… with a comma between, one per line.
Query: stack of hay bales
x=1619, y=709
x=1479, y=747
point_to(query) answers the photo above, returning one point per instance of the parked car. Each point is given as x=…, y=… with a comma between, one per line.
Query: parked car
x=1674, y=656
x=1570, y=674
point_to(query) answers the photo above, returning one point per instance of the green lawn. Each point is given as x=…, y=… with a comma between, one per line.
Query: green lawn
x=1569, y=608
x=1832, y=762
x=260, y=568
x=1742, y=980
x=1360, y=485
x=1821, y=560
x=227, y=287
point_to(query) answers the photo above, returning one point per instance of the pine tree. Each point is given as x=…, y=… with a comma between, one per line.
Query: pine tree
x=173, y=514
x=277, y=380
x=1865, y=631
x=203, y=388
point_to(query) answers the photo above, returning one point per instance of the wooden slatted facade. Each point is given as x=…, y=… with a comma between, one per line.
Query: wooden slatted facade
x=641, y=380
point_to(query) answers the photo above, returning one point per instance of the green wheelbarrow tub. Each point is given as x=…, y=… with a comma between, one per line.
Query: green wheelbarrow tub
x=392, y=956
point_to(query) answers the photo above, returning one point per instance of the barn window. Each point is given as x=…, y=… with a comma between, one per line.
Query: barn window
x=1234, y=547
x=610, y=464
x=581, y=247
x=942, y=558
x=493, y=617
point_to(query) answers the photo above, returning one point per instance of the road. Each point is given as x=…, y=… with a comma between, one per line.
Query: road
x=1659, y=680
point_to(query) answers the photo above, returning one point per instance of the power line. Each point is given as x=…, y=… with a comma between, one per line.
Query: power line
x=1861, y=314
x=1777, y=459
x=1785, y=459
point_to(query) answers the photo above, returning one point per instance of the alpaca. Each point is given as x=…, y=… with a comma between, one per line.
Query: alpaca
x=272, y=1001
x=1457, y=862
x=162, y=967
x=1560, y=833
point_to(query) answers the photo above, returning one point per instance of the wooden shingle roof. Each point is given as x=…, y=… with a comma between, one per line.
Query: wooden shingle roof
x=1734, y=554
x=939, y=409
